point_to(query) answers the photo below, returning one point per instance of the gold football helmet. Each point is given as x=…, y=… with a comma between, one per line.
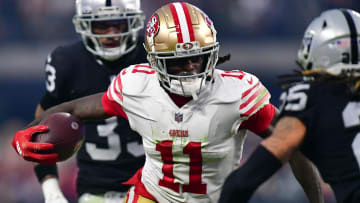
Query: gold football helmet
x=179, y=30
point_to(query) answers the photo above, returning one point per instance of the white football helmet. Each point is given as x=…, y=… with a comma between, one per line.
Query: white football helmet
x=179, y=30
x=331, y=43
x=90, y=11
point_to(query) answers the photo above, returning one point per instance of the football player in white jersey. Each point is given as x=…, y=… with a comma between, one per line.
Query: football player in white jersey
x=192, y=117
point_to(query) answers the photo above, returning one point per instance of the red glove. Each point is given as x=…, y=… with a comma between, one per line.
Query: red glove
x=33, y=151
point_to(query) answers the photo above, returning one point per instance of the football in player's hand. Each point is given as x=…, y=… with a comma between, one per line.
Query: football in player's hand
x=66, y=133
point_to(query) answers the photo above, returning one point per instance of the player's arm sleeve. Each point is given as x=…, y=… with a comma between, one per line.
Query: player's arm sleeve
x=255, y=109
x=261, y=120
x=254, y=97
x=112, y=100
x=241, y=183
x=56, y=70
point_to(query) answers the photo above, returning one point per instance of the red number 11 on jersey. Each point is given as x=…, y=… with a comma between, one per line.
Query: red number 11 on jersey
x=193, y=149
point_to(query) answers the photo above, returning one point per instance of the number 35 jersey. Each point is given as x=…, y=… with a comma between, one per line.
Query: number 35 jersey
x=189, y=150
x=332, y=139
x=111, y=153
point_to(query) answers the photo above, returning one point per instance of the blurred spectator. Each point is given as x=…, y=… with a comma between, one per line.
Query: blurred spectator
x=17, y=180
x=37, y=20
x=47, y=19
x=10, y=21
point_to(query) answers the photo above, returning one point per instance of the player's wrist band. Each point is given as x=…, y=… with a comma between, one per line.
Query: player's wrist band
x=241, y=183
x=42, y=170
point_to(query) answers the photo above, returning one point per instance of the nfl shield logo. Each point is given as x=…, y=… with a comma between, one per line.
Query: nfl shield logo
x=178, y=117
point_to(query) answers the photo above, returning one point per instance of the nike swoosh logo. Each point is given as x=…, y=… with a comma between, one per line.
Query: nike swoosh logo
x=250, y=81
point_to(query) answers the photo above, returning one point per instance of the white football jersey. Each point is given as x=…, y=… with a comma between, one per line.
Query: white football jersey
x=189, y=150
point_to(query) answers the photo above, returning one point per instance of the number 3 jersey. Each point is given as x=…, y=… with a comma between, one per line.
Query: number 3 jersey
x=189, y=150
x=332, y=140
x=111, y=153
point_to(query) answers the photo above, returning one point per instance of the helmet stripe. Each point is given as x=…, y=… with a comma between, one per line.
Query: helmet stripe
x=176, y=22
x=108, y=3
x=189, y=22
x=182, y=22
x=353, y=36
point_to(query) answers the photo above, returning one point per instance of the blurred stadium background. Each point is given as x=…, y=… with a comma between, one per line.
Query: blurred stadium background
x=262, y=36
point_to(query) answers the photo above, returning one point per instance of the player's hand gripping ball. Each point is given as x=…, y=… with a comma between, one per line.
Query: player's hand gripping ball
x=65, y=132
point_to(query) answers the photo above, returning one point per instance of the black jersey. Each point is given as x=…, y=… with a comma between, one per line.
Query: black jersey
x=332, y=140
x=111, y=153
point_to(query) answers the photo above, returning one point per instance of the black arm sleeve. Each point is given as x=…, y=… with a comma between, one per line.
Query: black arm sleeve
x=241, y=183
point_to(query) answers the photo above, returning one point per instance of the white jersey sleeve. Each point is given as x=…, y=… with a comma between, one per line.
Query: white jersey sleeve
x=127, y=83
x=244, y=87
x=254, y=97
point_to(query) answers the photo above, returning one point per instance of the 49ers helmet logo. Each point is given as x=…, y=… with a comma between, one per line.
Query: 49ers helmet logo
x=187, y=46
x=152, y=27
x=207, y=20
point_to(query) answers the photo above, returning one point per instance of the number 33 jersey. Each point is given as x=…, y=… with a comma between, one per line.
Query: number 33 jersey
x=189, y=150
x=332, y=140
x=111, y=152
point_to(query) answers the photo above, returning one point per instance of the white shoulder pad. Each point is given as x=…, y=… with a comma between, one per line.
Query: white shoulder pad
x=136, y=78
x=242, y=87
x=132, y=81
x=230, y=85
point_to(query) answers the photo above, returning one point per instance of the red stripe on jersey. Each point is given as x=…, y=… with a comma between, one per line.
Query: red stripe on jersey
x=127, y=197
x=136, y=197
x=249, y=90
x=109, y=95
x=142, y=66
x=143, y=71
x=188, y=21
x=249, y=112
x=177, y=23
x=113, y=87
x=243, y=105
x=112, y=108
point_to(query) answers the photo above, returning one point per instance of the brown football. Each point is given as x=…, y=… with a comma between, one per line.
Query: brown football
x=66, y=133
